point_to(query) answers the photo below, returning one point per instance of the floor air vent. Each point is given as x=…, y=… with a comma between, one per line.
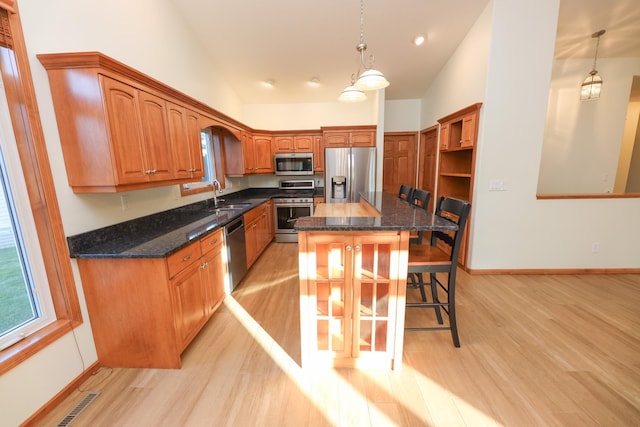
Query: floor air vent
x=86, y=401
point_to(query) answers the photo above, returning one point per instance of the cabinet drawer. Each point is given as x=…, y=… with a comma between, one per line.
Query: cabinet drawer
x=183, y=258
x=211, y=242
x=254, y=214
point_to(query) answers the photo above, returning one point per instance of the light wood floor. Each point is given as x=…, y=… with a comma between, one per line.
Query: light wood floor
x=536, y=351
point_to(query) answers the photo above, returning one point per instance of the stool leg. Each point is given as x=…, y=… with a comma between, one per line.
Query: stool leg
x=451, y=302
x=421, y=284
x=434, y=295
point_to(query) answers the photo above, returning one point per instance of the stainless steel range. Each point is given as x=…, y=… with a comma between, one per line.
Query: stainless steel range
x=294, y=200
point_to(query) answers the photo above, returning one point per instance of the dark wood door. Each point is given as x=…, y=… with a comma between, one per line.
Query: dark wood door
x=399, y=163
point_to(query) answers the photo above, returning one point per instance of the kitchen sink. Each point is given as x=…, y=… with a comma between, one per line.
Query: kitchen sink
x=235, y=206
x=229, y=208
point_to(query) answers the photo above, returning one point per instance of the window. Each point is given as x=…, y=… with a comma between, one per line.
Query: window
x=211, y=139
x=25, y=301
x=29, y=184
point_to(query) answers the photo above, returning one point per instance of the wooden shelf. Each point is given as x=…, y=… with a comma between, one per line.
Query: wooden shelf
x=458, y=134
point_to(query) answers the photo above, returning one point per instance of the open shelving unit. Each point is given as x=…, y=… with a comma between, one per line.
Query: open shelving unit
x=457, y=154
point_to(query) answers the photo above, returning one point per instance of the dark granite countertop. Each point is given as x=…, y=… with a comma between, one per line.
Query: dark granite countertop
x=395, y=215
x=161, y=234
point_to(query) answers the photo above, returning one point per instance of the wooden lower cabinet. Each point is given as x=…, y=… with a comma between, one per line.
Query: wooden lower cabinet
x=145, y=311
x=352, y=298
x=259, y=230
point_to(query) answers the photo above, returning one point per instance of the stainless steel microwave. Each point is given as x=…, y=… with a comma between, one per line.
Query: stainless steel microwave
x=294, y=163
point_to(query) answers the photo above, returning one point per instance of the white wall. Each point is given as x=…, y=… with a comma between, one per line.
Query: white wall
x=582, y=139
x=402, y=115
x=462, y=81
x=309, y=116
x=512, y=229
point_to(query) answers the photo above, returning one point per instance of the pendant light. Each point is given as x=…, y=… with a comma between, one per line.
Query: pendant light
x=351, y=94
x=370, y=79
x=592, y=85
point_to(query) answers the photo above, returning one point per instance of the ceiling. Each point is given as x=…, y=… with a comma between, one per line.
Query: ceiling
x=292, y=41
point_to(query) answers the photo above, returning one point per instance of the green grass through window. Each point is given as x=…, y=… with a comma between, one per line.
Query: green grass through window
x=15, y=303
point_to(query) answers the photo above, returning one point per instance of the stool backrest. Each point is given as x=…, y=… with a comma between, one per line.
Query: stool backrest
x=420, y=198
x=405, y=192
x=454, y=210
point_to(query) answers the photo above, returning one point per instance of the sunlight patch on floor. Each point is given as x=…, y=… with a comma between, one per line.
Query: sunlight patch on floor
x=307, y=381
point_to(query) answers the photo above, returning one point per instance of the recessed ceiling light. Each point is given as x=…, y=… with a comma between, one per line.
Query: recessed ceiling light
x=314, y=82
x=268, y=83
x=419, y=40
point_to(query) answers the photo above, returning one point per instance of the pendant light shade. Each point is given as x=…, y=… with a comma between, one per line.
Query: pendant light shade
x=352, y=94
x=592, y=85
x=371, y=80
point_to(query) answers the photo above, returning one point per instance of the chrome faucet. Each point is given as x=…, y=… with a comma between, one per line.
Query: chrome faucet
x=215, y=183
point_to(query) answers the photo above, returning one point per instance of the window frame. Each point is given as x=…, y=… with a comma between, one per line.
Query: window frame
x=34, y=160
x=217, y=164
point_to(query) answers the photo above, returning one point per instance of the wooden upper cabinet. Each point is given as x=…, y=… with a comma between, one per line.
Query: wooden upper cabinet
x=469, y=128
x=318, y=153
x=293, y=143
x=303, y=143
x=119, y=129
x=459, y=131
x=283, y=144
x=359, y=136
x=184, y=133
x=444, y=136
x=263, y=154
x=125, y=133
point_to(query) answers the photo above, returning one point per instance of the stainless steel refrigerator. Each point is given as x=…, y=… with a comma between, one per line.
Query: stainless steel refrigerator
x=348, y=172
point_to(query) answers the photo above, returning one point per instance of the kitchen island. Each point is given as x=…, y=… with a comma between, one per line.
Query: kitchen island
x=353, y=270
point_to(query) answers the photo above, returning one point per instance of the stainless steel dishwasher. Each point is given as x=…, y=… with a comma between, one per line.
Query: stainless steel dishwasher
x=236, y=251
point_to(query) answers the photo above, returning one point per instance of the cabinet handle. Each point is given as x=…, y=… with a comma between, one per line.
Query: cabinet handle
x=214, y=242
x=153, y=171
x=187, y=258
x=148, y=171
x=348, y=248
x=358, y=247
x=192, y=169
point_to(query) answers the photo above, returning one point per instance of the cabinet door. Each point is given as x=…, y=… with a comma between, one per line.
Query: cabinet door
x=251, y=241
x=263, y=154
x=444, y=136
x=125, y=131
x=157, y=145
x=318, y=153
x=177, y=125
x=389, y=184
x=194, y=145
x=303, y=143
x=189, y=303
x=362, y=139
x=213, y=272
x=330, y=297
x=248, y=154
x=468, y=136
x=283, y=144
x=375, y=289
x=336, y=139
x=264, y=237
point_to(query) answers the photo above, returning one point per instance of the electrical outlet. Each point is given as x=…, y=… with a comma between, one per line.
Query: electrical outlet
x=496, y=185
x=595, y=247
